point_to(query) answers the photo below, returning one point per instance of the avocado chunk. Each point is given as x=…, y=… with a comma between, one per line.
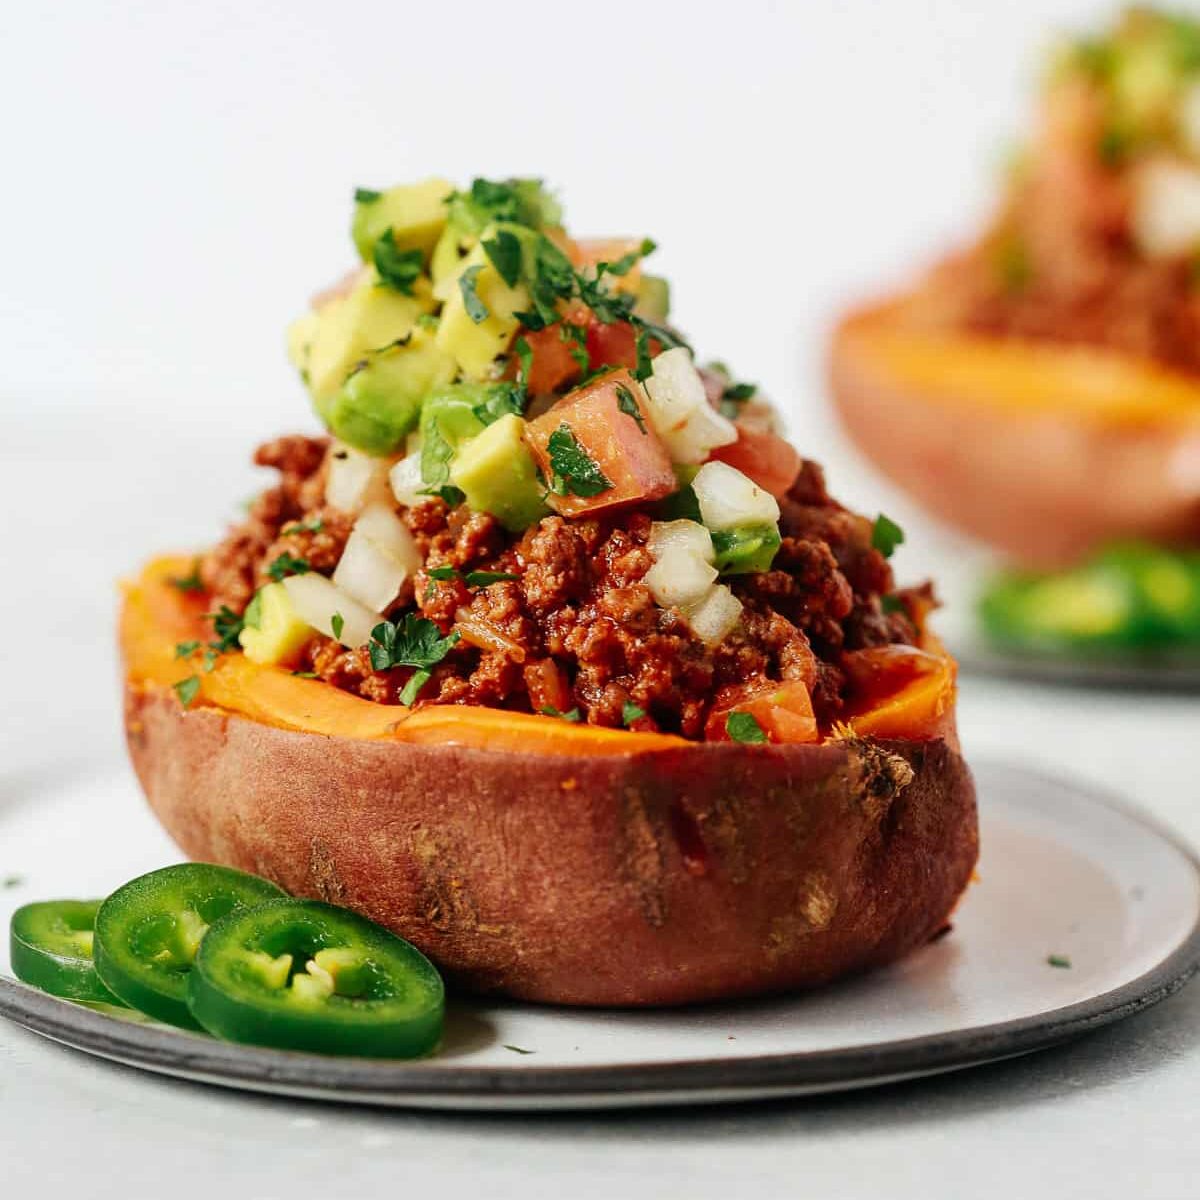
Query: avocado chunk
x=380, y=402
x=479, y=318
x=653, y=298
x=348, y=328
x=453, y=414
x=273, y=631
x=746, y=549
x=495, y=472
x=414, y=212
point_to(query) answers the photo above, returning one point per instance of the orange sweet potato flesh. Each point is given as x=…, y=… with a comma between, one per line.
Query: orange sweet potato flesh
x=1042, y=450
x=548, y=861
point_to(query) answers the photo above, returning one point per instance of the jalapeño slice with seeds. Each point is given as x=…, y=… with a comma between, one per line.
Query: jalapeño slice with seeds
x=148, y=932
x=50, y=946
x=302, y=975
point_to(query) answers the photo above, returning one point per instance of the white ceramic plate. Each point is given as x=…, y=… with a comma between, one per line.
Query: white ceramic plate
x=1065, y=873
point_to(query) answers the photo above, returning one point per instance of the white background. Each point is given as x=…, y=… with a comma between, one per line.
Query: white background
x=174, y=182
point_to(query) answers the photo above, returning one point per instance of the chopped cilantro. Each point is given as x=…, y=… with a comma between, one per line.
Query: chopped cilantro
x=499, y=400
x=476, y=309
x=337, y=623
x=315, y=525
x=186, y=649
x=644, y=368
x=574, y=715
x=524, y=353
x=416, y=681
x=742, y=727
x=575, y=338
x=188, y=583
x=734, y=396
x=891, y=604
x=886, y=535
x=505, y=252
x=630, y=712
x=629, y=406
x=286, y=564
x=1059, y=960
x=626, y=262
x=187, y=689
x=574, y=471
x=398, y=269
x=448, y=492
x=411, y=642
x=227, y=625
x=485, y=578
x=365, y=196
x=442, y=573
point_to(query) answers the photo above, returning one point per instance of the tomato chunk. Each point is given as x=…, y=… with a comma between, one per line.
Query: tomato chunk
x=765, y=457
x=598, y=451
x=556, y=358
x=783, y=711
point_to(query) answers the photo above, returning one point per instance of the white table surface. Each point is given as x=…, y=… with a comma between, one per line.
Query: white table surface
x=1115, y=1114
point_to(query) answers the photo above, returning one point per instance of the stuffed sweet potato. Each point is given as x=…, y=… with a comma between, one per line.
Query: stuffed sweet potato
x=555, y=658
x=1041, y=390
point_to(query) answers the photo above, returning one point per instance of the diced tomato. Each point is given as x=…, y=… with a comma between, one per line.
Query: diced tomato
x=547, y=686
x=784, y=711
x=552, y=366
x=625, y=450
x=765, y=457
x=613, y=345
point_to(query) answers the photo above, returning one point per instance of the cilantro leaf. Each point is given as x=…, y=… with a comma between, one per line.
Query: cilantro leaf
x=486, y=578
x=626, y=262
x=742, y=727
x=411, y=642
x=186, y=649
x=739, y=391
x=629, y=406
x=575, y=337
x=476, y=309
x=190, y=582
x=187, y=689
x=524, y=353
x=442, y=572
x=365, y=196
x=505, y=252
x=499, y=400
x=1058, y=960
x=313, y=526
x=398, y=269
x=286, y=564
x=886, y=535
x=337, y=623
x=448, y=492
x=227, y=625
x=574, y=715
x=891, y=603
x=416, y=681
x=574, y=471
x=630, y=712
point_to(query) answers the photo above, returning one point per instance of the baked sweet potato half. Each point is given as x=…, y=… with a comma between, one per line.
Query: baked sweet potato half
x=1042, y=450
x=558, y=862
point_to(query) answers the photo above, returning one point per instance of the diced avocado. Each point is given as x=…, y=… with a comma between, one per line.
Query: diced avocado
x=380, y=403
x=273, y=632
x=453, y=245
x=477, y=338
x=349, y=327
x=653, y=298
x=496, y=473
x=745, y=550
x=518, y=201
x=414, y=212
x=300, y=334
x=452, y=414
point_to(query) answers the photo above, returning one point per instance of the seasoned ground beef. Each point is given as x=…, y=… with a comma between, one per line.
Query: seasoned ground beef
x=577, y=629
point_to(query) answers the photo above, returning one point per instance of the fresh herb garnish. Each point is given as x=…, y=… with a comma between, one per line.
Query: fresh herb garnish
x=629, y=406
x=416, y=681
x=891, y=603
x=187, y=689
x=630, y=712
x=524, y=353
x=886, y=535
x=227, y=625
x=733, y=397
x=574, y=715
x=366, y=196
x=499, y=400
x=626, y=262
x=188, y=583
x=411, y=642
x=448, y=492
x=442, y=572
x=398, y=269
x=505, y=252
x=305, y=674
x=742, y=727
x=287, y=564
x=337, y=623
x=1059, y=960
x=574, y=470
x=186, y=649
x=485, y=578
x=467, y=281
x=575, y=338
x=315, y=525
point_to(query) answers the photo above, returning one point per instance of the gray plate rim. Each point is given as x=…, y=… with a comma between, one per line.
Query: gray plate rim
x=174, y=1052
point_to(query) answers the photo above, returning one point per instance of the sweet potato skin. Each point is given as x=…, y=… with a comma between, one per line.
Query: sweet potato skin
x=1043, y=484
x=665, y=877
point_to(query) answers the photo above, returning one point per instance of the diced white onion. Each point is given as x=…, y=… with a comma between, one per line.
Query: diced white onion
x=680, y=578
x=380, y=523
x=405, y=477
x=316, y=600
x=354, y=478
x=369, y=573
x=715, y=616
x=728, y=498
x=678, y=409
x=1189, y=118
x=1166, y=208
x=688, y=535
